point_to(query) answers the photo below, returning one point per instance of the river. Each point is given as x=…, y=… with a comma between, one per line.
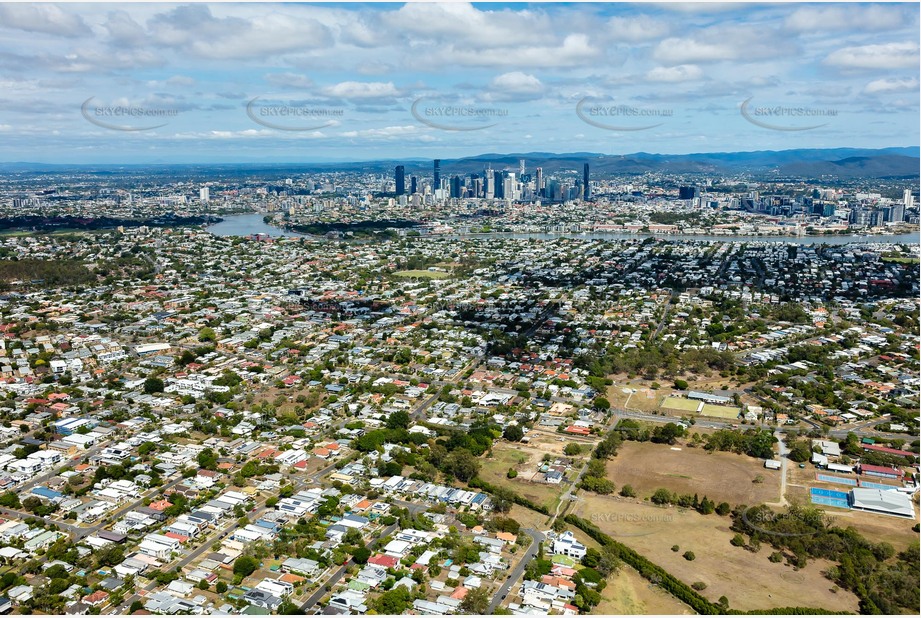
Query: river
x=246, y=225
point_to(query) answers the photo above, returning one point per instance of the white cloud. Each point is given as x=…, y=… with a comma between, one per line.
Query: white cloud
x=886, y=85
x=193, y=29
x=515, y=85
x=384, y=132
x=362, y=90
x=575, y=50
x=44, y=18
x=636, y=29
x=885, y=56
x=289, y=80
x=680, y=73
x=823, y=19
x=464, y=25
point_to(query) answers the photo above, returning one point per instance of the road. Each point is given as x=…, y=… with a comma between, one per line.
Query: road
x=661, y=325
x=518, y=571
x=782, y=454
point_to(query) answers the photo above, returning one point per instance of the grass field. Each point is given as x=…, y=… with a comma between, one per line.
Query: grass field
x=422, y=274
x=710, y=409
x=680, y=403
x=720, y=476
x=749, y=580
x=627, y=593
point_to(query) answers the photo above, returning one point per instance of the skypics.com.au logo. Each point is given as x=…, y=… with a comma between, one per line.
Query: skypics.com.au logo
x=456, y=117
x=140, y=118
x=291, y=117
x=775, y=117
x=620, y=117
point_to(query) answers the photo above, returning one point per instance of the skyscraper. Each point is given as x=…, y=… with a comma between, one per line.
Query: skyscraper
x=586, y=190
x=498, y=183
x=688, y=193
x=539, y=181
x=437, y=170
x=400, y=178
x=456, y=186
x=204, y=194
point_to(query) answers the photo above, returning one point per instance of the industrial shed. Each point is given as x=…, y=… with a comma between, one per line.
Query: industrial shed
x=887, y=502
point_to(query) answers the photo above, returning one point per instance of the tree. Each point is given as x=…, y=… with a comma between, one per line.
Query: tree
x=221, y=587
x=681, y=385
x=689, y=555
x=361, y=555
x=207, y=334
x=800, y=451
x=398, y=420
x=110, y=555
x=393, y=602
x=153, y=385
x=601, y=403
x=207, y=459
x=476, y=601
x=572, y=449
x=245, y=565
x=627, y=491
x=513, y=433
x=512, y=473
x=10, y=500
x=462, y=464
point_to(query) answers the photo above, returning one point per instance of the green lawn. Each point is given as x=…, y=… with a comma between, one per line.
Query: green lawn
x=719, y=411
x=680, y=403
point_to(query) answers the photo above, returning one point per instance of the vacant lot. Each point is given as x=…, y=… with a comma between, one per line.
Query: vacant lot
x=525, y=460
x=627, y=593
x=719, y=476
x=422, y=274
x=680, y=403
x=710, y=409
x=749, y=580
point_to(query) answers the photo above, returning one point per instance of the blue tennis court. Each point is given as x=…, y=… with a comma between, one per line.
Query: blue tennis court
x=829, y=497
x=872, y=485
x=841, y=480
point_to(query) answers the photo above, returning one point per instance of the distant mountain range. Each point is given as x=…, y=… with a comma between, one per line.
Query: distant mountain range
x=815, y=164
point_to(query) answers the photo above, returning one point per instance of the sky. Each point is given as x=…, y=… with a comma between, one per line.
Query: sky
x=225, y=83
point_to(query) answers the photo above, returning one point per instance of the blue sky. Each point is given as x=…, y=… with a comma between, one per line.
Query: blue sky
x=327, y=82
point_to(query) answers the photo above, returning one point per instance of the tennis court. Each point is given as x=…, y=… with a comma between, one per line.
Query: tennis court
x=829, y=497
x=841, y=480
x=871, y=485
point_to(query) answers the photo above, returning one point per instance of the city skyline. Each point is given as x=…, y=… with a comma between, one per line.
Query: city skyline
x=234, y=83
